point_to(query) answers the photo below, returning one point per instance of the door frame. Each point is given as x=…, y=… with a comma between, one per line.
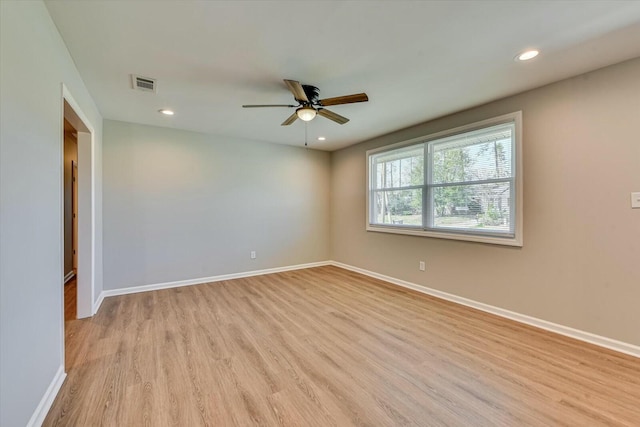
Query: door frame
x=74, y=213
x=86, y=272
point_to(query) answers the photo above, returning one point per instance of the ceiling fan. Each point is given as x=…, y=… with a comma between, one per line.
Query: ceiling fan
x=309, y=105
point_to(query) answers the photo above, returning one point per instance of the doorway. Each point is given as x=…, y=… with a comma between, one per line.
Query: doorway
x=70, y=236
x=78, y=217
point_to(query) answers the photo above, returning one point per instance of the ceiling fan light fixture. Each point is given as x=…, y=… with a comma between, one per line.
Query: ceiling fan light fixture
x=306, y=114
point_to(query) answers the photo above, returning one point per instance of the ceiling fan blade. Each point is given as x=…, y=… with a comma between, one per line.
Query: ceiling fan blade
x=347, y=99
x=292, y=118
x=297, y=90
x=332, y=116
x=267, y=105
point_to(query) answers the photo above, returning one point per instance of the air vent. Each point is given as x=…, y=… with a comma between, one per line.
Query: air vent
x=145, y=84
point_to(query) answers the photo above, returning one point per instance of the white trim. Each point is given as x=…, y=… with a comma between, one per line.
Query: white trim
x=61, y=253
x=619, y=346
x=47, y=400
x=467, y=237
x=69, y=276
x=97, y=304
x=85, y=307
x=202, y=280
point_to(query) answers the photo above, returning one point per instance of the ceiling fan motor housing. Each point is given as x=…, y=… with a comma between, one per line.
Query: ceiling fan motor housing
x=313, y=94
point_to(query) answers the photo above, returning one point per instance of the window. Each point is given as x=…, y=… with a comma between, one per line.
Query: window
x=464, y=184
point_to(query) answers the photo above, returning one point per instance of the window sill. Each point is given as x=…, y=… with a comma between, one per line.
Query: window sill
x=478, y=238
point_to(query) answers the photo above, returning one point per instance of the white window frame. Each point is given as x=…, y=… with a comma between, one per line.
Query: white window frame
x=514, y=240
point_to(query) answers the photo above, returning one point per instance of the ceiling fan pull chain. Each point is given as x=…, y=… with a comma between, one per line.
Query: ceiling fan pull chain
x=305, y=134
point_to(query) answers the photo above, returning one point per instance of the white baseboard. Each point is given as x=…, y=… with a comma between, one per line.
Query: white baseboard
x=202, y=280
x=47, y=400
x=69, y=276
x=97, y=304
x=598, y=340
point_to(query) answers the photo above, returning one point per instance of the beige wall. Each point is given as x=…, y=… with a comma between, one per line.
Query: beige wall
x=579, y=264
x=183, y=205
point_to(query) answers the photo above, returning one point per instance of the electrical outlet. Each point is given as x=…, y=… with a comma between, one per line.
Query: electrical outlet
x=253, y=254
x=422, y=266
x=635, y=200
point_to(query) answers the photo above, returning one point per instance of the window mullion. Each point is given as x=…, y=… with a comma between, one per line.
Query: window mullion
x=426, y=192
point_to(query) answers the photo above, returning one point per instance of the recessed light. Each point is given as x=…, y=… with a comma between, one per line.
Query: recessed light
x=527, y=55
x=166, y=112
x=321, y=138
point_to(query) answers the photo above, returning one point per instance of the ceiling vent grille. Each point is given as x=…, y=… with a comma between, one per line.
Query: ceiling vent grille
x=145, y=84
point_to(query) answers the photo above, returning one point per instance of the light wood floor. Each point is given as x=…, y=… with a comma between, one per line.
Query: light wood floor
x=328, y=347
x=71, y=300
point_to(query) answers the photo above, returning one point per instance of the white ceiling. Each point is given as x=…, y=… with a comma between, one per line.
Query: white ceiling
x=417, y=60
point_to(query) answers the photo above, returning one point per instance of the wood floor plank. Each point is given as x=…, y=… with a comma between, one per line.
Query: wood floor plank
x=330, y=347
x=70, y=299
